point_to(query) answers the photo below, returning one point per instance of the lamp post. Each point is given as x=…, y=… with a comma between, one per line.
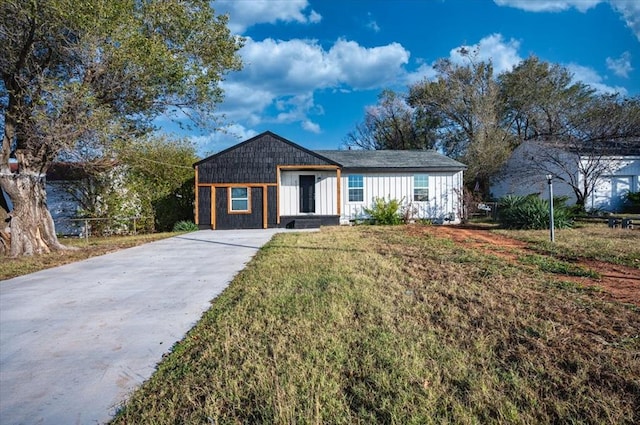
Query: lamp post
x=551, y=226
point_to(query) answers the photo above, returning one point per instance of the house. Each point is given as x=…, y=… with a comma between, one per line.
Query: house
x=603, y=174
x=269, y=181
x=62, y=197
x=62, y=204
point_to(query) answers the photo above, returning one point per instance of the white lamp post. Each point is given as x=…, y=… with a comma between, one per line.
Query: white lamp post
x=551, y=226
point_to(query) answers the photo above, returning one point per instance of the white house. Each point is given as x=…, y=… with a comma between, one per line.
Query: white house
x=268, y=181
x=427, y=183
x=605, y=174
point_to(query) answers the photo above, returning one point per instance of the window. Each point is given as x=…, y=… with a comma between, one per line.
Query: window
x=356, y=188
x=421, y=187
x=239, y=200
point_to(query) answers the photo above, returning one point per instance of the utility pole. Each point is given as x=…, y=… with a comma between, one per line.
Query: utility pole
x=551, y=225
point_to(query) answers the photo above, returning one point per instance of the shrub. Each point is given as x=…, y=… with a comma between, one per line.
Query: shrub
x=385, y=211
x=632, y=202
x=532, y=212
x=185, y=226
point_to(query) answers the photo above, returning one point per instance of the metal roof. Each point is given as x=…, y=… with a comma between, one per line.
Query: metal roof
x=387, y=159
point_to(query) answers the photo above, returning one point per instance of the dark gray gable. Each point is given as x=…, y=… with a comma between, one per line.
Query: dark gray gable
x=393, y=160
x=255, y=160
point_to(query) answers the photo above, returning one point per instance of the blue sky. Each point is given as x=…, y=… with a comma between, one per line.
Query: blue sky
x=312, y=67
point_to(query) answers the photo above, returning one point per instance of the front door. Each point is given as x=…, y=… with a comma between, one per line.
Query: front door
x=308, y=194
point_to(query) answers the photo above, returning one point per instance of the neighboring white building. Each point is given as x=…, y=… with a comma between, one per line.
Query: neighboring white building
x=268, y=181
x=610, y=173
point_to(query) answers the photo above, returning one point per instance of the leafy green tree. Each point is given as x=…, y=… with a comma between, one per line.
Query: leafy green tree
x=583, y=149
x=151, y=178
x=540, y=99
x=466, y=101
x=393, y=125
x=81, y=75
x=160, y=171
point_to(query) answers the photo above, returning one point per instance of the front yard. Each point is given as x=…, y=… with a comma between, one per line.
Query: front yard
x=400, y=325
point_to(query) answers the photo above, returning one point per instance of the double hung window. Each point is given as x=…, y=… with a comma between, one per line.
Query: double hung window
x=420, y=188
x=239, y=200
x=356, y=188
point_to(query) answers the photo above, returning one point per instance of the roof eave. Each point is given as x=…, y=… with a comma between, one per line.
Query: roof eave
x=405, y=169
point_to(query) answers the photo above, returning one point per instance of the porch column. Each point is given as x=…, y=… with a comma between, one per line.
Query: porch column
x=339, y=185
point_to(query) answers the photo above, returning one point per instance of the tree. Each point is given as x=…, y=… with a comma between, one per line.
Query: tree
x=577, y=131
x=160, y=171
x=393, y=125
x=465, y=100
x=539, y=99
x=585, y=150
x=93, y=72
x=150, y=178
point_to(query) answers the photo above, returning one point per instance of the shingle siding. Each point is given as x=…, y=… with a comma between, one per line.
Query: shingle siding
x=255, y=161
x=224, y=220
x=272, y=206
x=204, y=206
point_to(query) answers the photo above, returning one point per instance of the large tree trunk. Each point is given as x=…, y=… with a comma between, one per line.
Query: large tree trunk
x=31, y=225
x=4, y=228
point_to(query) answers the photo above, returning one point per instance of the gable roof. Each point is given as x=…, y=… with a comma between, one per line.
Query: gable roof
x=392, y=160
x=597, y=148
x=260, y=136
x=398, y=160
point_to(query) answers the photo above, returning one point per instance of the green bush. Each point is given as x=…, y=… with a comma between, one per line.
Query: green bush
x=532, y=212
x=185, y=226
x=632, y=202
x=385, y=211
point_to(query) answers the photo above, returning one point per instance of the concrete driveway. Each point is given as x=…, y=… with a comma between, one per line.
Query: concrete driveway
x=76, y=340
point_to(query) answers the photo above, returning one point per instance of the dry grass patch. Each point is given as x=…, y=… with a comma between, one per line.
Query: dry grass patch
x=591, y=241
x=373, y=325
x=13, y=267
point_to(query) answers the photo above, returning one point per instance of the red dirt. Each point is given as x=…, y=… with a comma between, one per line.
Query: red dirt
x=618, y=283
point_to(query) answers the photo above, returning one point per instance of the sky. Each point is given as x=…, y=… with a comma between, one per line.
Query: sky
x=312, y=67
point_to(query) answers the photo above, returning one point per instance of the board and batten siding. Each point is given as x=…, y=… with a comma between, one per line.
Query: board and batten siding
x=325, y=190
x=622, y=177
x=444, y=189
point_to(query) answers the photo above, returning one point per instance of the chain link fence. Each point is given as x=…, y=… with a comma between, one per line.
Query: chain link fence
x=86, y=227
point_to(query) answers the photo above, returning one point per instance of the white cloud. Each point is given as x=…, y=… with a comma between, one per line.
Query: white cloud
x=372, y=24
x=283, y=76
x=365, y=68
x=244, y=14
x=424, y=72
x=286, y=67
x=629, y=9
x=297, y=65
x=315, y=17
x=549, y=5
x=311, y=126
x=589, y=76
x=621, y=66
x=503, y=54
x=219, y=140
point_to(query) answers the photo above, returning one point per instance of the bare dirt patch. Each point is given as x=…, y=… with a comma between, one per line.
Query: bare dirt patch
x=619, y=283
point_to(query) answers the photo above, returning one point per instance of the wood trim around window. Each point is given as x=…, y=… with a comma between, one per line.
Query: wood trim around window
x=229, y=200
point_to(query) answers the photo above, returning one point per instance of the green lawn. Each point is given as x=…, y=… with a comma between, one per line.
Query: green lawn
x=373, y=325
